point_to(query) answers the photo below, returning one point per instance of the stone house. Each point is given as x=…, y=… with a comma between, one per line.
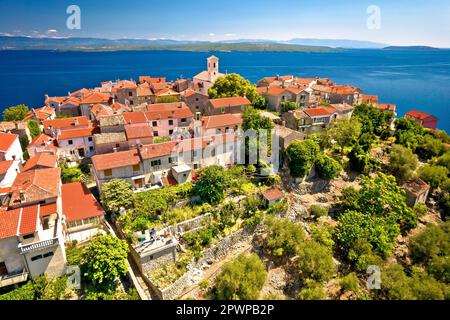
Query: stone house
x=276, y=95
x=345, y=94
x=197, y=102
x=416, y=191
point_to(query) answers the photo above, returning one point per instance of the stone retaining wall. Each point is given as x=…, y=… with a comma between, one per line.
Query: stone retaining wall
x=209, y=256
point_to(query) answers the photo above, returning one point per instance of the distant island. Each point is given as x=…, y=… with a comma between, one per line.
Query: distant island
x=412, y=48
x=94, y=44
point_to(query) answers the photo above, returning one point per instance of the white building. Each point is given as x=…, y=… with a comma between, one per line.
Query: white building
x=10, y=148
x=206, y=79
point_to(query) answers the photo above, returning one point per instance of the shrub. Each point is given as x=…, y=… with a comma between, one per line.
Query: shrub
x=350, y=282
x=283, y=237
x=241, y=279
x=312, y=291
x=315, y=261
x=318, y=211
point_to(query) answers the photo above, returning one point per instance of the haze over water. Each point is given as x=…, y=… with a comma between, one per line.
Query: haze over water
x=409, y=79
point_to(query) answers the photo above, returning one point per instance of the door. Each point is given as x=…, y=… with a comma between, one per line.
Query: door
x=81, y=153
x=3, y=270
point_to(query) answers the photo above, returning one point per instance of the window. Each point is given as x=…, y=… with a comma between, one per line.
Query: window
x=48, y=254
x=108, y=173
x=183, y=120
x=91, y=148
x=136, y=167
x=29, y=236
x=36, y=257
x=90, y=139
x=130, y=94
x=213, y=152
x=155, y=133
x=195, y=166
x=155, y=163
x=222, y=110
x=70, y=142
x=131, y=102
x=170, y=131
x=155, y=123
x=170, y=122
x=196, y=99
x=172, y=159
x=117, y=145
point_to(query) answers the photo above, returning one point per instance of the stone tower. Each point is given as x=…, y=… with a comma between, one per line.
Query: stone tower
x=213, y=68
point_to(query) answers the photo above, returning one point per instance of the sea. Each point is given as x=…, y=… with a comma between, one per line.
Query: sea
x=411, y=79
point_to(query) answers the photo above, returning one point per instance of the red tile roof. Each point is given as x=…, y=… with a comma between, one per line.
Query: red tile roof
x=66, y=122
x=159, y=150
x=320, y=111
x=344, y=90
x=9, y=222
x=230, y=102
x=387, y=106
x=116, y=160
x=48, y=209
x=135, y=117
x=28, y=220
x=370, y=99
x=222, y=120
x=272, y=194
x=190, y=92
x=96, y=97
x=41, y=160
x=77, y=133
x=36, y=185
x=138, y=131
x=78, y=202
x=167, y=111
x=419, y=115
x=41, y=139
x=6, y=141
x=5, y=165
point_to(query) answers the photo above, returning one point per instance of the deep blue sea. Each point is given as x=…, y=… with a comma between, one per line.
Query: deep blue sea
x=410, y=79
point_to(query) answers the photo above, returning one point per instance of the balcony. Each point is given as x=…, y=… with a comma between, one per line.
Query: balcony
x=38, y=245
x=13, y=278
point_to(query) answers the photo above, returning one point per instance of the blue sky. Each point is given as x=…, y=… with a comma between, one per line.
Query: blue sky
x=403, y=22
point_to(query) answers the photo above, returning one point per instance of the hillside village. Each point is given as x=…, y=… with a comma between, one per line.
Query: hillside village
x=166, y=167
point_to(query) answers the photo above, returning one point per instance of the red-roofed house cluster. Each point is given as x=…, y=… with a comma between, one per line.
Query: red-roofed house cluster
x=38, y=214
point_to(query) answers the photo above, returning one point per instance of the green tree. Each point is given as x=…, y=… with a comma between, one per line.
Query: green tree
x=315, y=261
x=302, y=155
x=373, y=120
x=106, y=260
x=233, y=85
x=381, y=196
x=25, y=292
x=403, y=162
x=433, y=241
x=71, y=174
x=430, y=147
x=436, y=176
x=241, y=279
x=34, y=128
x=345, y=132
x=354, y=226
x=116, y=194
x=444, y=161
x=16, y=113
x=211, y=184
x=283, y=237
x=327, y=167
x=361, y=160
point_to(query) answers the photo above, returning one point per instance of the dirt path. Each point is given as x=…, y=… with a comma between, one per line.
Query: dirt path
x=210, y=274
